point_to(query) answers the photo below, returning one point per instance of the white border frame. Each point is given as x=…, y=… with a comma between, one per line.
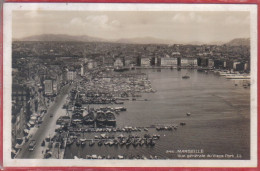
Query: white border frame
x=7, y=82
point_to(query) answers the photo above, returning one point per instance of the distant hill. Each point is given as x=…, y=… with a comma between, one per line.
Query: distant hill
x=137, y=40
x=145, y=40
x=61, y=37
x=64, y=37
x=239, y=42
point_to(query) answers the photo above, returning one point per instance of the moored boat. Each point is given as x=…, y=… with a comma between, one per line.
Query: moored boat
x=101, y=119
x=89, y=119
x=185, y=77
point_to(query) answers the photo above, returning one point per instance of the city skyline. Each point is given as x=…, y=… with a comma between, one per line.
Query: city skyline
x=171, y=27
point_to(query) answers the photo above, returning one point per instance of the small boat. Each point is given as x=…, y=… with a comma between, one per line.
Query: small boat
x=121, y=136
x=119, y=102
x=78, y=143
x=151, y=143
x=83, y=143
x=142, y=142
x=185, y=77
x=120, y=157
x=128, y=144
x=155, y=137
x=94, y=156
x=103, y=136
x=115, y=142
x=182, y=123
x=83, y=139
x=122, y=142
x=91, y=143
x=111, y=143
x=100, y=143
x=135, y=143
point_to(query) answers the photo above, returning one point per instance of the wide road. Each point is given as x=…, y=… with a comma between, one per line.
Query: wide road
x=47, y=127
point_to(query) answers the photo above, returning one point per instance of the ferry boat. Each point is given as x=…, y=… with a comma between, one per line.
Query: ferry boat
x=89, y=119
x=101, y=119
x=221, y=72
x=110, y=119
x=121, y=69
x=228, y=74
x=120, y=108
x=119, y=102
x=185, y=77
x=242, y=77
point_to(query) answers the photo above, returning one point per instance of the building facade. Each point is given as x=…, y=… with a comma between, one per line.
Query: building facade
x=48, y=87
x=145, y=62
x=210, y=63
x=189, y=62
x=71, y=75
x=169, y=62
x=118, y=63
x=21, y=110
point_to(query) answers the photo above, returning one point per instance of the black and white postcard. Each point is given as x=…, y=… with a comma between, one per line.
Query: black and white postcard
x=130, y=85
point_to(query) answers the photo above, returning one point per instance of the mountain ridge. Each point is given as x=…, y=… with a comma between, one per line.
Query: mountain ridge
x=137, y=40
x=239, y=42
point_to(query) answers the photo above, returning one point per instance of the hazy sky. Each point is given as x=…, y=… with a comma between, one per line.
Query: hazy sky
x=179, y=26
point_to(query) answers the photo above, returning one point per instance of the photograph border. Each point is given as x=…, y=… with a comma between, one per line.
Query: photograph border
x=144, y=165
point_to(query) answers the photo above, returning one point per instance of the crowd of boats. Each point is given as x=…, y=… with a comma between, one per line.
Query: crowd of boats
x=112, y=140
x=84, y=126
x=125, y=156
x=108, y=88
x=86, y=120
x=126, y=129
x=122, y=137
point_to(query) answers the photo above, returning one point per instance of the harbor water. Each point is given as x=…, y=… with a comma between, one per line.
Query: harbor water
x=219, y=123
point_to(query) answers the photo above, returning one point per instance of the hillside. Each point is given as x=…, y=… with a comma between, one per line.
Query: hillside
x=239, y=42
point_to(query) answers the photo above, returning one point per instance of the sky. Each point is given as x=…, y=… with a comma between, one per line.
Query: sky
x=184, y=26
